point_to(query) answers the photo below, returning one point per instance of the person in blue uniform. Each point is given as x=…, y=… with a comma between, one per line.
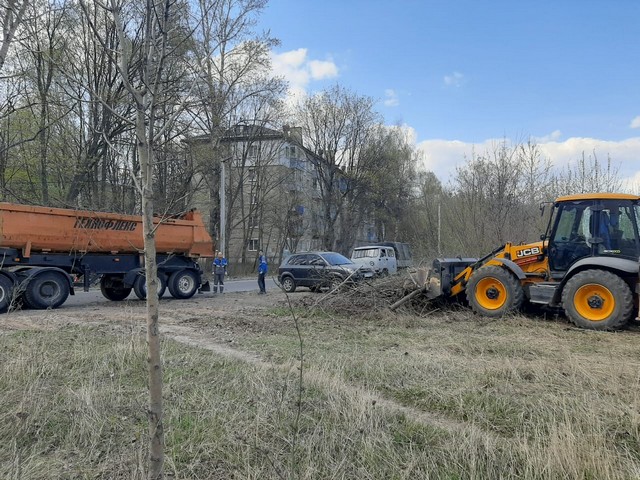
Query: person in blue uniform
x=219, y=271
x=262, y=272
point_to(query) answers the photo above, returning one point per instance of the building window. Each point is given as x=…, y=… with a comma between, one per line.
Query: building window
x=253, y=151
x=292, y=152
x=251, y=175
x=253, y=221
x=254, y=199
x=254, y=245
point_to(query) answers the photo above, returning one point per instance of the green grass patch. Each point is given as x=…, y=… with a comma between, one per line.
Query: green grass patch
x=515, y=400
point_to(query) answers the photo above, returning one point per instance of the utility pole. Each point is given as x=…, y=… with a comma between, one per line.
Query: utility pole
x=223, y=207
x=439, y=226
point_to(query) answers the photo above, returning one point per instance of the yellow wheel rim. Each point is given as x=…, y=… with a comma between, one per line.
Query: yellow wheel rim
x=594, y=302
x=491, y=293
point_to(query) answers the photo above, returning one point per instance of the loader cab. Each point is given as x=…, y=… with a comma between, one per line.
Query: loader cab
x=599, y=225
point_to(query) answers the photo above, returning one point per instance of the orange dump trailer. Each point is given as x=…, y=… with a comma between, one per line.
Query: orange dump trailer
x=43, y=229
x=44, y=250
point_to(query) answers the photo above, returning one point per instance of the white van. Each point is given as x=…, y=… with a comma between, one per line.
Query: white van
x=381, y=259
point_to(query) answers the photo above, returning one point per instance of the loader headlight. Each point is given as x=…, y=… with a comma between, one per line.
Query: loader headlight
x=371, y=263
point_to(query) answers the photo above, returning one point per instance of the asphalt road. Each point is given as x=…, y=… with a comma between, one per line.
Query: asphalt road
x=94, y=295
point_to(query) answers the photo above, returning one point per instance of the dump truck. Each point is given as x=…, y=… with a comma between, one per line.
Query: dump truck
x=586, y=264
x=45, y=252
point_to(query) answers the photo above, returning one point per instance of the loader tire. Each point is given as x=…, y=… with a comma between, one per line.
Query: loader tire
x=494, y=292
x=598, y=300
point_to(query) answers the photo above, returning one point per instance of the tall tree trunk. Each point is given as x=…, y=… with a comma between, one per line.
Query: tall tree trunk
x=156, y=426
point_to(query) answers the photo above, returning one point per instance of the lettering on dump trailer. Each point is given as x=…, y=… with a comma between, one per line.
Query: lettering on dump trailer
x=104, y=224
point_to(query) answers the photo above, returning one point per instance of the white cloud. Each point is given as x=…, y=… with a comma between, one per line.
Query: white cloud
x=635, y=123
x=296, y=68
x=391, y=98
x=442, y=156
x=321, y=69
x=553, y=136
x=454, y=80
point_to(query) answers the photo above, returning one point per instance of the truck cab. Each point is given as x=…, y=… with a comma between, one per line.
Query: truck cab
x=381, y=259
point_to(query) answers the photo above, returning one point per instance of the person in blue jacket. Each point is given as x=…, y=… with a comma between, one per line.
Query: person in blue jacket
x=219, y=271
x=262, y=272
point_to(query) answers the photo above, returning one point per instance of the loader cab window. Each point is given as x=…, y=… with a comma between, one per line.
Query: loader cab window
x=618, y=228
x=569, y=239
x=589, y=228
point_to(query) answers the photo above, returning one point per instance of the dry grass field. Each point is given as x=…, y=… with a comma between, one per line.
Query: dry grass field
x=445, y=395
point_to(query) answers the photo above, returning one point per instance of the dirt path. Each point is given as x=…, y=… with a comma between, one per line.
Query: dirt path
x=181, y=321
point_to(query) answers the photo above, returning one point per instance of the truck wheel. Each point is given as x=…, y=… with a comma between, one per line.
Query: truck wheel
x=6, y=293
x=288, y=285
x=493, y=292
x=183, y=284
x=140, y=286
x=598, y=300
x=114, y=291
x=46, y=290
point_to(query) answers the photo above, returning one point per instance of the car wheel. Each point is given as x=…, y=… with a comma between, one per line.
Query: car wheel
x=335, y=284
x=288, y=285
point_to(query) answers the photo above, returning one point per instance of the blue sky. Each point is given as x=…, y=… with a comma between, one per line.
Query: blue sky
x=464, y=74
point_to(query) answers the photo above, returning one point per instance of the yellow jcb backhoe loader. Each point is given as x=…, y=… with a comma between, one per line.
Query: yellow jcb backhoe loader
x=586, y=263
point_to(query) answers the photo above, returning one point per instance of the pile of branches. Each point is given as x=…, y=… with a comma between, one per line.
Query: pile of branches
x=372, y=296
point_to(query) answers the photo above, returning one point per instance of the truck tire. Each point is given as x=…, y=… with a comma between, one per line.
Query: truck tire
x=289, y=285
x=183, y=284
x=494, y=292
x=597, y=300
x=6, y=293
x=140, y=286
x=113, y=290
x=46, y=290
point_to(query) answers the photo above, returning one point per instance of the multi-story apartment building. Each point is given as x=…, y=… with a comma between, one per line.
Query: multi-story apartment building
x=272, y=195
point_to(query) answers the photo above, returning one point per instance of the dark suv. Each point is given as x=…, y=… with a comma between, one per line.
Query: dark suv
x=319, y=269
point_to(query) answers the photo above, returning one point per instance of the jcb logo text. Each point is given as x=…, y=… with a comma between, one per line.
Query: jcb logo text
x=528, y=251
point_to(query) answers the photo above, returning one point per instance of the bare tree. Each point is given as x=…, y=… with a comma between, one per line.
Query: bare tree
x=494, y=197
x=145, y=44
x=12, y=14
x=234, y=70
x=99, y=179
x=336, y=125
x=44, y=44
x=587, y=175
x=385, y=183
